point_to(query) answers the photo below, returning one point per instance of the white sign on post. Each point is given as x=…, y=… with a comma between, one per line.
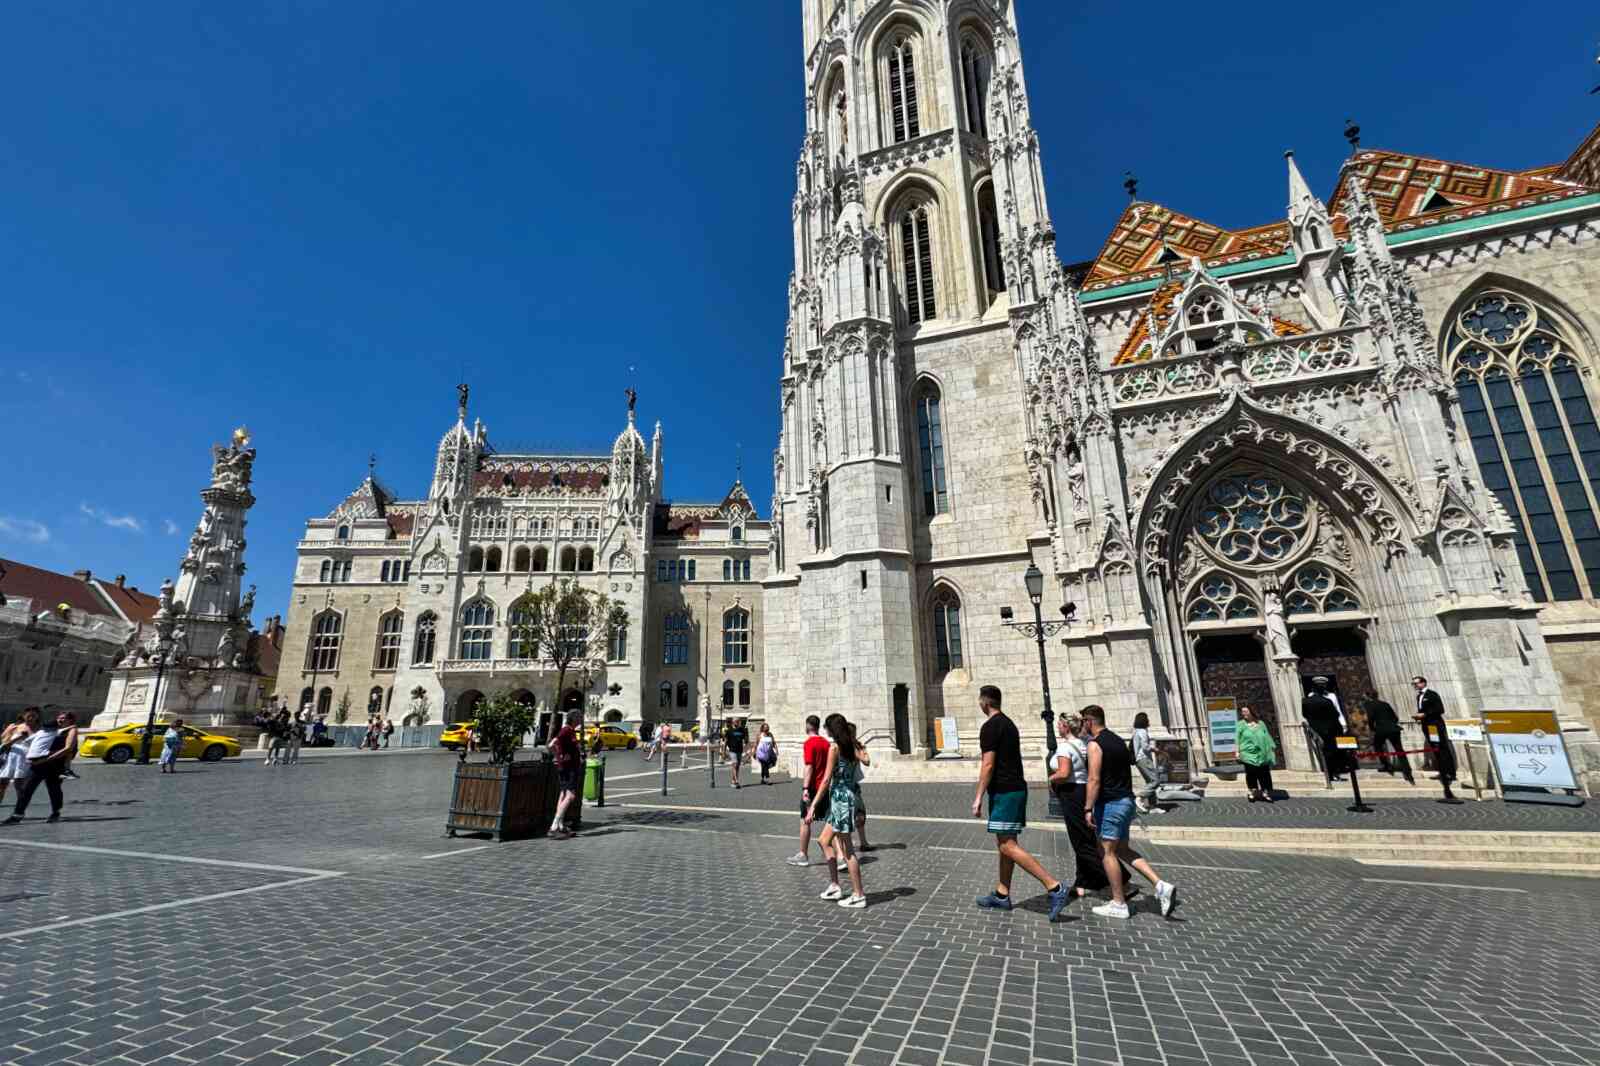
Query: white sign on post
x=1528, y=749
x=1224, y=733
x=949, y=737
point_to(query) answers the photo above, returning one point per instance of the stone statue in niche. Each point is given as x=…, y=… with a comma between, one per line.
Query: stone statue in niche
x=1277, y=628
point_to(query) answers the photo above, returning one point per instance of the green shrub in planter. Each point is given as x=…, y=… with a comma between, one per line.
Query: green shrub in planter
x=502, y=723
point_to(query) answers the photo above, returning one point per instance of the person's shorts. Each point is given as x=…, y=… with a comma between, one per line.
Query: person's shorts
x=568, y=779
x=1008, y=813
x=1112, y=818
x=822, y=808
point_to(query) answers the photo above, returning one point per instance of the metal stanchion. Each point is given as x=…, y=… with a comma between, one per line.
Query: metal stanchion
x=665, y=756
x=1353, y=769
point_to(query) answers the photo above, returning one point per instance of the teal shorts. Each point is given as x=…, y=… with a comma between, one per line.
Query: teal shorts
x=1008, y=813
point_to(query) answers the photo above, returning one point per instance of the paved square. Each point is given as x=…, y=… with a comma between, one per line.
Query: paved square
x=315, y=914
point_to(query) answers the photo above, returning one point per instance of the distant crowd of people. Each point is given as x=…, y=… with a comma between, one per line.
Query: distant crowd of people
x=37, y=753
x=286, y=734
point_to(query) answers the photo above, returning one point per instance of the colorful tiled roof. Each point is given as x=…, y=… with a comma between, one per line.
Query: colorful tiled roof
x=1406, y=186
x=682, y=521
x=1583, y=166
x=1137, y=348
x=1136, y=242
x=583, y=479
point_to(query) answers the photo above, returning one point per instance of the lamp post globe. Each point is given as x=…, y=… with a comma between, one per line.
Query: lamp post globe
x=1034, y=580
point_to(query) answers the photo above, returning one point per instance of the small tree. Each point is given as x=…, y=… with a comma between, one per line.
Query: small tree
x=502, y=723
x=341, y=713
x=570, y=627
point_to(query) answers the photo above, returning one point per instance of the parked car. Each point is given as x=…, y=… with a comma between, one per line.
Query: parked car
x=123, y=743
x=610, y=736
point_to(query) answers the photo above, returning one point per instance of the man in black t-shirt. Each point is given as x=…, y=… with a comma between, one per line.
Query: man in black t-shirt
x=1001, y=777
x=735, y=738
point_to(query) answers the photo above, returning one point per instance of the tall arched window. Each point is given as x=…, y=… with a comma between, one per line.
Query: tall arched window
x=930, y=443
x=327, y=571
x=975, y=67
x=994, y=271
x=683, y=693
x=390, y=629
x=569, y=560
x=541, y=560
x=744, y=693
x=736, y=637
x=727, y=569
x=477, y=631
x=325, y=702
x=422, y=646
x=727, y=693
x=342, y=534
x=947, y=630
x=327, y=631
x=916, y=263
x=521, y=560
x=1531, y=421
x=521, y=642
x=307, y=698
x=475, y=561
x=675, y=639
x=904, y=119
x=586, y=560
x=666, y=694
x=375, y=700
x=491, y=561
x=618, y=651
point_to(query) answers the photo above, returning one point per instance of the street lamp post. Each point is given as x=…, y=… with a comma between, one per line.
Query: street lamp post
x=705, y=694
x=163, y=649
x=1038, y=629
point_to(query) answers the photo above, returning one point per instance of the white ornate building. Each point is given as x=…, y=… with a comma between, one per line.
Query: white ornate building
x=408, y=607
x=1357, y=441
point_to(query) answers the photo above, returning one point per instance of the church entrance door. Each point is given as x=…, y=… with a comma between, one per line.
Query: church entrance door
x=1234, y=665
x=1340, y=655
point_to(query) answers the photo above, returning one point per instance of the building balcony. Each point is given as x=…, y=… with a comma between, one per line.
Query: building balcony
x=491, y=667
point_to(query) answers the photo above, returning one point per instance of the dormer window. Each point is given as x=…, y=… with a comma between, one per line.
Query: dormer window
x=737, y=534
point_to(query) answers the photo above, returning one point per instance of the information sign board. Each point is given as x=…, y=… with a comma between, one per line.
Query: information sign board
x=1346, y=743
x=1528, y=749
x=945, y=735
x=1222, y=714
x=1464, y=729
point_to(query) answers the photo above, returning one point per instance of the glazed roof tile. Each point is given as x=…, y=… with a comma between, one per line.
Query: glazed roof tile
x=46, y=589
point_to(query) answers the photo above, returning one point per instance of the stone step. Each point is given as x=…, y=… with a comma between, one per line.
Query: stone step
x=1565, y=869
x=1535, y=853
x=1269, y=836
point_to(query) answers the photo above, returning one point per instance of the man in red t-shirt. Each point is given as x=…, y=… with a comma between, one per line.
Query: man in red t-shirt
x=815, y=757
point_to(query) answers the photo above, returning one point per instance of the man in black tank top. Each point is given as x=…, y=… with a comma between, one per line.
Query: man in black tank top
x=1108, y=808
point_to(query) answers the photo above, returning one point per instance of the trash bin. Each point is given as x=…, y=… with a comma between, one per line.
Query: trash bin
x=594, y=781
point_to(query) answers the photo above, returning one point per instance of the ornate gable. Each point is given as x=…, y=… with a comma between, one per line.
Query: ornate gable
x=1198, y=305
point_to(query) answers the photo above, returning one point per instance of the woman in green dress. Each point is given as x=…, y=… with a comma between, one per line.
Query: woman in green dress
x=841, y=781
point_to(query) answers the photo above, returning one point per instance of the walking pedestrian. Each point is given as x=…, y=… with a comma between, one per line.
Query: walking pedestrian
x=50, y=748
x=1069, y=777
x=1436, y=735
x=734, y=738
x=295, y=739
x=766, y=752
x=839, y=777
x=278, y=737
x=1258, y=752
x=1386, y=734
x=568, y=755
x=1144, y=757
x=388, y=731
x=14, y=749
x=813, y=764
x=1000, y=777
x=1109, y=809
x=1322, y=715
x=171, y=745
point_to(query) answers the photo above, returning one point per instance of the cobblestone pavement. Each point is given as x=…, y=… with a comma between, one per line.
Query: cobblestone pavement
x=315, y=915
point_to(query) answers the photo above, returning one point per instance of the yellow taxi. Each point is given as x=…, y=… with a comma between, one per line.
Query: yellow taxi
x=611, y=736
x=123, y=743
x=455, y=735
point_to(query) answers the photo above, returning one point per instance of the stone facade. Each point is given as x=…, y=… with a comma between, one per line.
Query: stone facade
x=403, y=607
x=1355, y=442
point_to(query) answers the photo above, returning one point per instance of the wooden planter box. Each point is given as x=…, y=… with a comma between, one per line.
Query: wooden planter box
x=507, y=801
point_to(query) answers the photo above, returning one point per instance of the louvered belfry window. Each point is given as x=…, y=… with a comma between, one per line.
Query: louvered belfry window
x=903, y=115
x=916, y=252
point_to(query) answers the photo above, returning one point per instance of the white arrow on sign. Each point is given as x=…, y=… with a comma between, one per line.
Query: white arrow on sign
x=1533, y=765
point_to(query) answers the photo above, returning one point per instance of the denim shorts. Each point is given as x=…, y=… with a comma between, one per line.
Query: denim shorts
x=1113, y=817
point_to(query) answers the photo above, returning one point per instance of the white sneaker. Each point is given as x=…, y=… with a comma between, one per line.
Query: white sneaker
x=853, y=901
x=1154, y=810
x=1167, y=897
x=1113, y=909
x=798, y=859
x=831, y=892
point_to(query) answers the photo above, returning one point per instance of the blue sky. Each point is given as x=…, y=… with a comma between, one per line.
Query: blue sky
x=315, y=218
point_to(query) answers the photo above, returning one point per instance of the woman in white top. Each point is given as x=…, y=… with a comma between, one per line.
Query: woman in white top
x=14, y=741
x=1144, y=757
x=1069, y=773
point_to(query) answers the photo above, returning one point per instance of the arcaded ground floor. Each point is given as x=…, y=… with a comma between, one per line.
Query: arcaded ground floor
x=236, y=913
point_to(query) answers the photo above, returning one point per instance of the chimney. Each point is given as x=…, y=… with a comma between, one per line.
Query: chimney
x=122, y=581
x=82, y=575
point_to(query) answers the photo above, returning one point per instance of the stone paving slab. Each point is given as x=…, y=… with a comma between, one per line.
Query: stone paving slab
x=680, y=937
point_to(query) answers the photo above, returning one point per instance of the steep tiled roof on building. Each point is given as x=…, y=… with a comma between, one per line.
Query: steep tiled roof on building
x=138, y=606
x=682, y=521
x=1406, y=186
x=47, y=589
x=584, y=479
x=1148, y=236
x=1583, y=166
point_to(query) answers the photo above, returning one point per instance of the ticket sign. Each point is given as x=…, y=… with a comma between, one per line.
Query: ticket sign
x=945, y=735
x=1528, y=749
x=1222, y=714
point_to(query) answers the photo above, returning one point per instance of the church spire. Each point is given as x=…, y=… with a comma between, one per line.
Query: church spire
x=1318, y=255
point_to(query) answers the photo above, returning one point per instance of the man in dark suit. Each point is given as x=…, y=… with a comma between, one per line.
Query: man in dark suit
x=1386, y=731
x=1322, y=716
x=1430, y=712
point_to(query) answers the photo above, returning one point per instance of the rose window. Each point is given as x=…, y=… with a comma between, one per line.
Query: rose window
x=1252, y=519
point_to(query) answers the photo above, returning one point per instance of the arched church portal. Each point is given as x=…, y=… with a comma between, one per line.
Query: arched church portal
x=1271, y=591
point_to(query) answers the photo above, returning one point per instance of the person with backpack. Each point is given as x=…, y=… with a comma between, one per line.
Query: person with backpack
x=766, y=752
x=568, y=755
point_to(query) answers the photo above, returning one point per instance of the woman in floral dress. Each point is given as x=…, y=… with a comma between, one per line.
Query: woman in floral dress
x=841, y=780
